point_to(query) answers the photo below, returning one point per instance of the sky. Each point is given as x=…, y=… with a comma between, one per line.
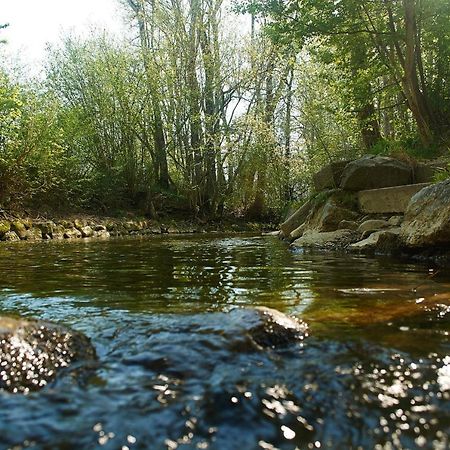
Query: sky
x=35, y=23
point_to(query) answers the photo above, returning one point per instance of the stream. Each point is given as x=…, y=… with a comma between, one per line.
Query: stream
x=172, y=373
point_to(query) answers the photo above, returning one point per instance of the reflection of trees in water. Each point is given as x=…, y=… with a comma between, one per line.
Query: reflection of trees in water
x=160, y=272
x=187, y=274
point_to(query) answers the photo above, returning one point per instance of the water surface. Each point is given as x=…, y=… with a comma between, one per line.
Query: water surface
x=172, y=373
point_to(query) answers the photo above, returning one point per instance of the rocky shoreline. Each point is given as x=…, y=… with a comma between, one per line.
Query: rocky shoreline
x=13, y=229
x=374, y=205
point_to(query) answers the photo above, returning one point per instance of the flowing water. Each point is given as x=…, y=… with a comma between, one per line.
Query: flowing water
x=373, y=373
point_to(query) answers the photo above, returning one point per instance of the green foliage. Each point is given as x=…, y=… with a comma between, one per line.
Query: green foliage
x=31, y=143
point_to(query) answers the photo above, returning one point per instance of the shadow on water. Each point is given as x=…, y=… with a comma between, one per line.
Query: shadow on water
x=174, y=373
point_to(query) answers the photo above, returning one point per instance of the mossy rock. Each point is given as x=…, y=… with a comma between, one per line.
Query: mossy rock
x=46, y=227
x=28, y=223
x=10, y=236
x=72, y=233
x=79, y=224
x=19, y=228
x=33, y=234
x=58, y=232
x=66, y=224
x=5, y=226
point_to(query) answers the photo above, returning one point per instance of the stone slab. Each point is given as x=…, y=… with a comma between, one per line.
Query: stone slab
x=388, y=200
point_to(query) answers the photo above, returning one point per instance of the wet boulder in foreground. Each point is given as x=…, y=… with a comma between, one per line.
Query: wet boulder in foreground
x=267, y=327
x=33, y=352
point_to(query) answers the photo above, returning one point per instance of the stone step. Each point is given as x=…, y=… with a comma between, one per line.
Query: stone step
x=388, y=200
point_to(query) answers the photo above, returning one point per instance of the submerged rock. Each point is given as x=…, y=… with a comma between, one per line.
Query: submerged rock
x=331, y=240
x=267, y=327
x=427, y=219
x=33, y=352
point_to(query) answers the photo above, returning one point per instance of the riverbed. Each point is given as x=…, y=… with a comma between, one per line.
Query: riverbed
x=172, y=373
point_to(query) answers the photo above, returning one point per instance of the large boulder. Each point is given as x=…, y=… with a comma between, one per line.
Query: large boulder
x=267, y=327
x=374, y=172
x=427, y=218
x=388, y=200
x=329, y=177
x=32, y=353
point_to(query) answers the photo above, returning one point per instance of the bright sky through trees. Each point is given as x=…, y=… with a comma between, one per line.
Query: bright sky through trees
x=35, y=23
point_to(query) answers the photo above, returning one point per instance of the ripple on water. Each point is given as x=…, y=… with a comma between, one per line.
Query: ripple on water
x=175, y=373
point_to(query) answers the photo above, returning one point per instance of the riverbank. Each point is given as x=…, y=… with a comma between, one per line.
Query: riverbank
x=375, y=205
x=19, y=227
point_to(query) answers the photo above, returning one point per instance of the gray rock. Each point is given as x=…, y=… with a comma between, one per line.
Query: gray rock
x=331, y=215
x=427, y=219
x=58, y=232
x=388, y=200
x=101, y=227
x=347, y=225
x=131, y=226
x=332, y=240
x=296, y=219
x=395, y=221
x=374, y=172
x=298, y=232
x=425, y=172
x=275, y=233
x=372, y=225
x=383, y=241
x=329, y=177
x=66, y=224
x=79, y=224
x=32, y=353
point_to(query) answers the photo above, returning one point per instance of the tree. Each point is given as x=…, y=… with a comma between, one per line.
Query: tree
x=395, y=31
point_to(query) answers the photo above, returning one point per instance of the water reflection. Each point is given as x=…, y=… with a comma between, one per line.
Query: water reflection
x=175, y=373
